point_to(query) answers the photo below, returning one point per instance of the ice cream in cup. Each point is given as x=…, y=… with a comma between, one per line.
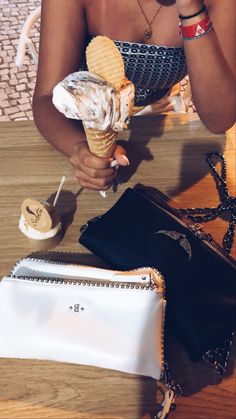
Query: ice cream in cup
x=40, y=224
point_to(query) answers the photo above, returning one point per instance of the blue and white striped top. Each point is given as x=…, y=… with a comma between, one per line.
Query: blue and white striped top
x=153, y=69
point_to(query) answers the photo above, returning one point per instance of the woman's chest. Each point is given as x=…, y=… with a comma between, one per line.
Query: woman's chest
x=133, y=20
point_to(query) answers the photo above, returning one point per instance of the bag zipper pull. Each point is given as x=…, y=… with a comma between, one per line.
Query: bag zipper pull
x=167, y=405
x=197, y=226
x=173, y=390
x=197, y=230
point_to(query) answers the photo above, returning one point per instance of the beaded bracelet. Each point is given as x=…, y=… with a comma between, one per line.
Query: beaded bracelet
x=197, y=30
x=203, y=9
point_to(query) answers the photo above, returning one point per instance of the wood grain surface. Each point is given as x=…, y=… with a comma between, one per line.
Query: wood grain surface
x=165, y=152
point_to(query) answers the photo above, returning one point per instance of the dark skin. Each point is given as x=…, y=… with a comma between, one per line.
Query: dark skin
x=211, y=62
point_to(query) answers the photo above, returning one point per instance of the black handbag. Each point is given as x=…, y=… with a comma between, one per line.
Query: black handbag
x=141, y=229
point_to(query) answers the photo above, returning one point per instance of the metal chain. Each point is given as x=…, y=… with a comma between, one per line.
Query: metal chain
x=170, y=382
x=144, y=15
x=228, y=203
x=219, y=357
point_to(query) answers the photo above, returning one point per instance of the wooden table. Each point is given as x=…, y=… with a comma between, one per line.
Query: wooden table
x=165, y=152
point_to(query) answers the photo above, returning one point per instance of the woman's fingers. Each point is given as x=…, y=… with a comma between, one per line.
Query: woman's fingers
x=102, y=179
x=94, y=172
x=120, y=156
x=97, y=184
x=88, y=159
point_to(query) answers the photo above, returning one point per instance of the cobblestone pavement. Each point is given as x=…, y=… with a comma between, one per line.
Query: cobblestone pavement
x=16, y=85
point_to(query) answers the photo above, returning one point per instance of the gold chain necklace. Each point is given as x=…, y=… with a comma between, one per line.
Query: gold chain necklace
x=148, y=30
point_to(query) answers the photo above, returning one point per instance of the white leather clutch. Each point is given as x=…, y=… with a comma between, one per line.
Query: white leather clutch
x=85, y=315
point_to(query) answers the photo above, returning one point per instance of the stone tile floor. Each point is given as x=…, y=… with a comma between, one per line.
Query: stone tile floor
x=17, y=85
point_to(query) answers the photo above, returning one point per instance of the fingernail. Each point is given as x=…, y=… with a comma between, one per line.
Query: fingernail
x=103, y=194
x=125, y=158
x=113, y=163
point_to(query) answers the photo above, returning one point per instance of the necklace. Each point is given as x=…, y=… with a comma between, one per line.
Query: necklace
x=148, y=30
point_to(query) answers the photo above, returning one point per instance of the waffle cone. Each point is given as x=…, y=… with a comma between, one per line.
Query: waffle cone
x=101, y=143
x=104, y=59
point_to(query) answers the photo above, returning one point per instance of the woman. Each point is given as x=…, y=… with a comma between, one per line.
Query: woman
x=206, y=50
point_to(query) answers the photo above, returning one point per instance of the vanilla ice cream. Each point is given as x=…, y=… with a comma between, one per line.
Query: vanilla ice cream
x=38, y=240
x=40, y=224
x=34, y=234
x=86, y=96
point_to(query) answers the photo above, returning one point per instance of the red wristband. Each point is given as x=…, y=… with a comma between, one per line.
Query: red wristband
x=196, y=30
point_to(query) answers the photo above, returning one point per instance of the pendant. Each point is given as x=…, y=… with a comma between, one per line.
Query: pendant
x=148, y=32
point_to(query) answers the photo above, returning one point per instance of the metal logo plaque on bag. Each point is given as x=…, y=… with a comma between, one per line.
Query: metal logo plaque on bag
x=76, y=308
x=180, y=237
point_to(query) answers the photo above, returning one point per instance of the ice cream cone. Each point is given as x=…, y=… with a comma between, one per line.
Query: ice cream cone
x=105, y=60
x=102, y=98
x=101, y=143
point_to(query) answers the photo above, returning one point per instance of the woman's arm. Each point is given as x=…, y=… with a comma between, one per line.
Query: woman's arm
x=211, y=62
x=63, y=29
x=62, y=36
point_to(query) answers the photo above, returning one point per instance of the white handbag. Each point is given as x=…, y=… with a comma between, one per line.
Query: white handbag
x=85, y=315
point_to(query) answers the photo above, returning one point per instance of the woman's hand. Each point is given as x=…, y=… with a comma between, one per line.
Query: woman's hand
x=95, y=172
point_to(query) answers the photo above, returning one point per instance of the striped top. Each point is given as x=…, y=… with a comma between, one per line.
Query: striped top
x=153, y=69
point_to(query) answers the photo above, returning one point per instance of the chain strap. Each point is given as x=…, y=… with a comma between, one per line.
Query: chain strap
x=228, y=202
x=149, y=22
x=219, y=357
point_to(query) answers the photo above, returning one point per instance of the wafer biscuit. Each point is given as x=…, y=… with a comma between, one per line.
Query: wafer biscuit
x=101, y=143
x=105, y=60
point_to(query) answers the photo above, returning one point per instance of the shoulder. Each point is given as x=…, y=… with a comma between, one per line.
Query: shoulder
x=62, y=39
x=58, y=7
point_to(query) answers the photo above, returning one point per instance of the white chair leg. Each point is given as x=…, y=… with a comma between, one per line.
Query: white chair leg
x=25, y=41
x=32, y=50
x=187, y=95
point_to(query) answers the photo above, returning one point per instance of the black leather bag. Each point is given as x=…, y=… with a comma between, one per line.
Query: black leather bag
x=141, y=229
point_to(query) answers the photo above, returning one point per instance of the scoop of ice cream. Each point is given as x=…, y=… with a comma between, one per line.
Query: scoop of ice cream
x=86, y=96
